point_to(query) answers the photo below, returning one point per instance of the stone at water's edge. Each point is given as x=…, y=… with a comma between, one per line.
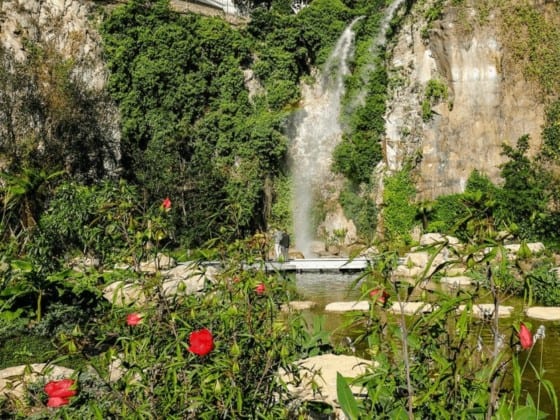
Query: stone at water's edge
x=457, y=281
x=486, y=310
x=317, y=378
x=362, y=305
x=13, y=380
x=180, y=280
x=544, y=313
x=412, y=308
x=298, y=305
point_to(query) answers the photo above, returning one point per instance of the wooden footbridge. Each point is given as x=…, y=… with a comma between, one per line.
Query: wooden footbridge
x=319, y=265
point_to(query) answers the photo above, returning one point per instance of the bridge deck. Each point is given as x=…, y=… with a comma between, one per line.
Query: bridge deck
x=319, y=265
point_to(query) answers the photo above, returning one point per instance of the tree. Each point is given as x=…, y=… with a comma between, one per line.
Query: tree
x=522, y=196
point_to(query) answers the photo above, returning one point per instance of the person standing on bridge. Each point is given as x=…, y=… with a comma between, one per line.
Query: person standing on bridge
x=285, y=245
x=277, y=246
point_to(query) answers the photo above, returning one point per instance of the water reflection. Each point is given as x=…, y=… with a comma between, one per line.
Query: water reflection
x=324, y=288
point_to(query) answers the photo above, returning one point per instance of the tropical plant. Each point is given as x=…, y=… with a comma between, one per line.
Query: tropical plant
x=439, y=362
x=23, y=197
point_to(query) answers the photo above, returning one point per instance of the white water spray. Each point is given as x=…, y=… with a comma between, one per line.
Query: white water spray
x=379, y=42
x=317, y=129
x=317, y=132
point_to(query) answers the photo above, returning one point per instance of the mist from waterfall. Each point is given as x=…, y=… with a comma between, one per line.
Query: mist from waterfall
x=317, y=132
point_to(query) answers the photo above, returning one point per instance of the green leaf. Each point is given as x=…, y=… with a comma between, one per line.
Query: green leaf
x=516, y=372
x=549, y=386
x=528, y=413
x=398, y=414
x=22, y=265
x=346, y=400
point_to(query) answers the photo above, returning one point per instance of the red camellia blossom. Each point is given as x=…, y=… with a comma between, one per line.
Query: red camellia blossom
x=133, y=319
x=381, y=295
x=57, y=402
x=59, y=392
x=166, y=204
x=260, y=289
x=201, y=342
x=525, y=337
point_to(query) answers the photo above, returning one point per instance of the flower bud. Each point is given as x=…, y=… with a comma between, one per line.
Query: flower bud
x=235, y=351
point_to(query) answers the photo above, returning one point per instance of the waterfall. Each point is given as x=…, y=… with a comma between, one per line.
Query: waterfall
x=317, y=132
x=316, y=129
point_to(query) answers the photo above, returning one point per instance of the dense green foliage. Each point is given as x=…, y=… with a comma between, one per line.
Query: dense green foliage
x=534, y=40
x=399, y=212
x=435, y=92
x=359, y=207
x=160, y=376
x=190, y=130
x=444, y=362
x=50, y=119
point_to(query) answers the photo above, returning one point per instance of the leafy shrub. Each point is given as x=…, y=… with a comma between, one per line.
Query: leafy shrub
x=399, y=213
x=165, y=374
x=362, y=210
x=444, y=362
x=435, y=92
x=543, y=286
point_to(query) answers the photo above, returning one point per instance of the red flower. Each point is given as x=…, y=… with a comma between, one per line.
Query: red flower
x=133, y=319
x=201, y=342
x=525, y=337
x=166, y=204
x=59, y=392
x=57, y=401
x=382, y=295
x=260, y=289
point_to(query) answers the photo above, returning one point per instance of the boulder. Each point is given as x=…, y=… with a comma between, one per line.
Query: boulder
x=160, y=262
x=84, y=263
x=544, y=313
x=182, y=279
x=362, y=305
x=316, y=378
x=187, y=279
x=513, y=249
x=415, y=263
x=457, y=281
x=124, y=294
x=486, y=310
x=438, y=238
x=298, y=305
x=412, y=308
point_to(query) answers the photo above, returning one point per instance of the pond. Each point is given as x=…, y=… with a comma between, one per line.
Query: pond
x=324, y=288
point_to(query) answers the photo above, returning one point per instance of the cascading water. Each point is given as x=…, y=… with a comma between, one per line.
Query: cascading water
x=317, y=132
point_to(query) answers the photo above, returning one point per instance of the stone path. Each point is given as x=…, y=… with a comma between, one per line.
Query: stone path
x=481, y=310
x=544, y=313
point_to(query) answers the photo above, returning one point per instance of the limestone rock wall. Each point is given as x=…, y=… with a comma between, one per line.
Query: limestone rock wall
x=62, y=30
x=488, y=103
x=67, y=26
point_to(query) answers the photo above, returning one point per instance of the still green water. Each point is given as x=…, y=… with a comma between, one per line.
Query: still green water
x=324, y=288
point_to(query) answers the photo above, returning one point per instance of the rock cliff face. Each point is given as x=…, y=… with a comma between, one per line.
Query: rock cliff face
x=488, y=102
x=67, y=26
x=63, y=33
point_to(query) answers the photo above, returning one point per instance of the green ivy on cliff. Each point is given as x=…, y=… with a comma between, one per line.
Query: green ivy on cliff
x=190, y=130
x=399, y=212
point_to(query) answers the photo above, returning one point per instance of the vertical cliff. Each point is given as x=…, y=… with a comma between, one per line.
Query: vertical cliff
x=488, y=100
x=54, y=105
